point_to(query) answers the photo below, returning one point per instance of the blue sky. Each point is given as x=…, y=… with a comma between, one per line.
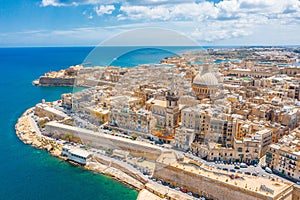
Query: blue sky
x=89, y=22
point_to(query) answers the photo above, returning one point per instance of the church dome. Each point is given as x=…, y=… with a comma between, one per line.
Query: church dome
x=207, y=79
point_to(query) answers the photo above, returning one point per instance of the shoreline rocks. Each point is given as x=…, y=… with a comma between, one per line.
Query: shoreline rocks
x=28, y=135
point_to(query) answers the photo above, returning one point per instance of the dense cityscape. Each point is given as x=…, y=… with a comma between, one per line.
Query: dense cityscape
x=208, y=124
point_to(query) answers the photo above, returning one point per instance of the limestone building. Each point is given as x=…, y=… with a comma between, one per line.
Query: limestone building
x=284, y=156
x=205, y=84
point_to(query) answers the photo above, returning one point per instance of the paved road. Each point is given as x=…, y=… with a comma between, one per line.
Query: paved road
x=251, y=168
x=34, y=124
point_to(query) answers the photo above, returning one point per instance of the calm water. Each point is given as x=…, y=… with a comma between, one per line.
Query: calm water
x=27, y=173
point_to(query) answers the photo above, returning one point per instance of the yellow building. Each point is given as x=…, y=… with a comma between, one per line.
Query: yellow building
x=99, y=115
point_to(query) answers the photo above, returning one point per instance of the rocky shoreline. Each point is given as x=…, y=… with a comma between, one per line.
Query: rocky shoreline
x=27, y=132
x=28, y=135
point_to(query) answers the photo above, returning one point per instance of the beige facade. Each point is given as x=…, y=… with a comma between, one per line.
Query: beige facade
x=284, y=156
x=130, y=121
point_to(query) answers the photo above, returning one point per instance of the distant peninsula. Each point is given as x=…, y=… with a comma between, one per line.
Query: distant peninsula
x=64, y=77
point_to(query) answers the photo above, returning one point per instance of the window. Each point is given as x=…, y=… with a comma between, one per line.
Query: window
x=240, y=149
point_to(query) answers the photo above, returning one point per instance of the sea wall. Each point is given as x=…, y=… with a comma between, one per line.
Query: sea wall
x=101, y=140
x=58, y=81
x=27, y=131
x=121, y=167
x=296, y=192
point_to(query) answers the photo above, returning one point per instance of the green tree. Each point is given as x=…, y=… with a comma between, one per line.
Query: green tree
x=134, y=136
x=68, y=136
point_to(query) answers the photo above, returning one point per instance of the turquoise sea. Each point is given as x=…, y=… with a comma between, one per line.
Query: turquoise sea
x=28, y=173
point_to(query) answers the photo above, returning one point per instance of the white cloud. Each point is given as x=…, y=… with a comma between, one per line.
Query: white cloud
x=203, y=10
x=216, y=31
x=104, y=9
x=51, y=3
x=201, y=19
x=58, y=3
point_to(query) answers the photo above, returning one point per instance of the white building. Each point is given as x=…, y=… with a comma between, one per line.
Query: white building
x=75, y=154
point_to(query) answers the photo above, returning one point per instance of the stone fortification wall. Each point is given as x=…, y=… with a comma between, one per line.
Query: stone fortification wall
x=206, y=186
x=122, y=168
x=100, y=140
x=296, y=192
x=48, y=81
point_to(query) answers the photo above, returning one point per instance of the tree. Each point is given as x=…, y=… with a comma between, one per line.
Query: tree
x=134, y=136
x=68, y=136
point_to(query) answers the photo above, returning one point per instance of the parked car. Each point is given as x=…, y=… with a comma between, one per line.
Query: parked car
x=267, y=169
x=190, y=193
x=254, y=174
x=248, y=173
x=236, y=167
x=243, y=165
x=232, y=170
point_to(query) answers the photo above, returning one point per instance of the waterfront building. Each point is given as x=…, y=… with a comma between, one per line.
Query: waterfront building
x=76, y=154
x=66, y=100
